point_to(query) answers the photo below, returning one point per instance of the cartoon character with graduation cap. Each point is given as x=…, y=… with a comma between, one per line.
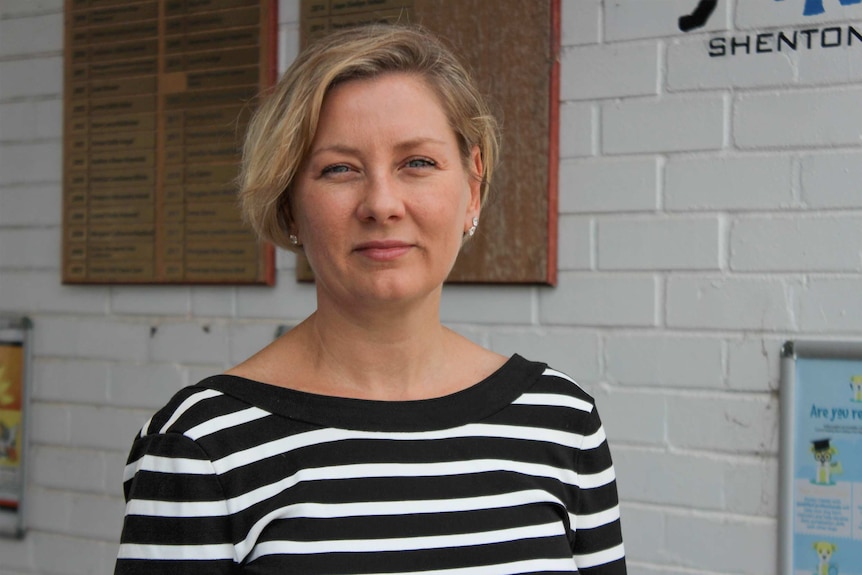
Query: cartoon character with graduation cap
x=823, y=452
x=856, y=387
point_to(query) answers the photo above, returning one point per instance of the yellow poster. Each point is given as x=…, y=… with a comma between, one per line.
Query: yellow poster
x=11, y=401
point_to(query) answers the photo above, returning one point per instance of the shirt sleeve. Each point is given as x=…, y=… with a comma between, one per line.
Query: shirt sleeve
x=595, y=519
x=176, y=518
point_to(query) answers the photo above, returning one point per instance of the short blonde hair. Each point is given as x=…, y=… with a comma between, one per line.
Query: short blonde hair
x=281, y=131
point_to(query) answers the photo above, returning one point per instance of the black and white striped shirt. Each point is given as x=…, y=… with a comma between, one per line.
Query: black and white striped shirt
x=512, y=475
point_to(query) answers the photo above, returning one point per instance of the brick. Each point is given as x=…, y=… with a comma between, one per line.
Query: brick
x=190, y=342
x=70, y=380
x=749, y=487
x=666, y=124
x=798, y=243
x=39, y=291
x=30, y=163
x=97, y=517
x=477, y=304
x=754, y=364
x=81, y=470
x=33, y=35
x=771, y=14
x=618, y=185
x=73, y=555
x=577, y=129
x=728, y=183
x=661, y=478
x=10, y=8
x=655, y=361
x=104, y=427
x=144, y=386
x=30, y=248
x=602, y=300
x=831, y=305
x=51, y=424
x=643, y=534
x=831, y=180
x=247, y=339
x=35, y=205
x=634, y=417
x=716, y=302
x=691, y=67
x=609, y=71
x=580, y=22
x=633, y=19
x=693, y=543
x=150, y=300
x=213, y=301
x=85, y=338
x=659, y=243
x=18, y=554
x=831, y=66
x=288, y=299
x=575, y=249
x=803, y=118
x=33, y=77
x=727, y=423
x=573, y=352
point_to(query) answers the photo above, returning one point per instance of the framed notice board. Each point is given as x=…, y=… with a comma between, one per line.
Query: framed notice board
x=14, y=400
x=512, y=47
x=157, y=96
x=821, y=459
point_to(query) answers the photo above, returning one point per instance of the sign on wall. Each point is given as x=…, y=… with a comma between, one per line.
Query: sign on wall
x=157, y=95
x=821, y=459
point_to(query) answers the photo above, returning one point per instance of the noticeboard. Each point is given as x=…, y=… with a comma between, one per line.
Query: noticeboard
x=512, y=48
x=14, y=375
x=821, y=459
x=157, y=96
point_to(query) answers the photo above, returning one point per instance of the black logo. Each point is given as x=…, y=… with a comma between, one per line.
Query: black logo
x=699, y=17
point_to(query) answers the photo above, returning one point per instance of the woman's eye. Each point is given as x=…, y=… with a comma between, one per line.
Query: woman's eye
x=420, y=163
x=335, y=169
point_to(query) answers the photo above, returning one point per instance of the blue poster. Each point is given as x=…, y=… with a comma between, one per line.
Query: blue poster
x=827, y=461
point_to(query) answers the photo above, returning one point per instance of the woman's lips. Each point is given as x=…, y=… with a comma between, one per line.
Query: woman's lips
x=383, y=250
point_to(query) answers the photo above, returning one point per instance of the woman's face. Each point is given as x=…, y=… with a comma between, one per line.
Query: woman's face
x=383, y=199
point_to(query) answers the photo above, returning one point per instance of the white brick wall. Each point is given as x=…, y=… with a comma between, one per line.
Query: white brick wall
x=710, y=210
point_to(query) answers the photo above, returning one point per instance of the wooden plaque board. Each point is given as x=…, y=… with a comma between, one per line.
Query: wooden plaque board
x=157, y=96
x=512, y=47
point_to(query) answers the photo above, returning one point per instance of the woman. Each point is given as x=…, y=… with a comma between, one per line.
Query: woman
x=370, y=438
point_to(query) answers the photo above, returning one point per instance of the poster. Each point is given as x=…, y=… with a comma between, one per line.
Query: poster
x=11, y=405
x=826, y=495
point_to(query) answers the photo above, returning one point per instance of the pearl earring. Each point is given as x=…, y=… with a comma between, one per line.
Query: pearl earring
x=293, y=239
x=472, y=229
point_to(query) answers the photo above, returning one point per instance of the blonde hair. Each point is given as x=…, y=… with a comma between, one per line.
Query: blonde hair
x=280, y=134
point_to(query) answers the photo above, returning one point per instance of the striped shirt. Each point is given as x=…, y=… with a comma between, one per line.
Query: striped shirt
x=512, y=475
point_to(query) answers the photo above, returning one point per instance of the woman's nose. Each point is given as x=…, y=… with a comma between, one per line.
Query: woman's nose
x=381, y=199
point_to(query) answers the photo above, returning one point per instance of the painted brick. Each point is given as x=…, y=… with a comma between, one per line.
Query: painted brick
x=144, y=386
x=831, y=66
x=213, y=301
x=190, y=342
x=288, y=11
x=632, y=19
x=38, y=291
x=608, y=71
x=580, y=22
x=572, y=352
x=749, y=487
x=33, y=35
x=96, y=516
x=728, y=183
x=792, y=119
x=150, y=300
x=693, y=543
x=288, y=44
x=659, y=244
x=575, y=249
x=17, y=555
x=9, y=8
x=70, y=380
x=104, y=427
x=577, y=129
x=621, y=185
x=690, y=67
x=50, y=424
x=30, y=163
x=80, y=470
x=288, y=299
x=754, y=364
x=33, y=205
x=666, y=124
x=637, y=360
x=657, y=477
x=770, y=14
x=478, y=304
x=33, y=77
x=29, y=248
x=247, y=339
x=717, y=302
x=643, y=533
x=831, y=305
x=832, y=180
x=634, y=417
x=601, y=300
x=822, y=243
x=724, y=423
x=72, y=555
x=86, y=338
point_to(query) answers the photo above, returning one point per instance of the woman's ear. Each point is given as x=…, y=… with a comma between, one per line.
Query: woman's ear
x=476, y=169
